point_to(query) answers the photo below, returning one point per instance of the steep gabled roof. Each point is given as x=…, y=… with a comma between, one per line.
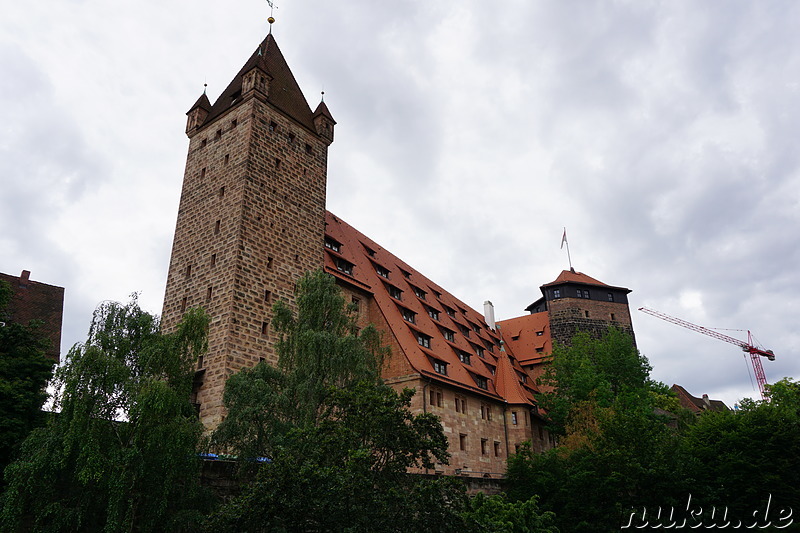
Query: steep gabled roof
x=405, y=297
x=528, y=336
x=698, y=405
x=284, y=92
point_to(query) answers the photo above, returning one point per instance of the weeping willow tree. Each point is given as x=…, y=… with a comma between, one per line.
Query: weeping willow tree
x=121, y=455
x=319, y=349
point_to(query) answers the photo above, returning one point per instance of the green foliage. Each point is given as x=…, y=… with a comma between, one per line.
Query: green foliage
x=319, y=349
x=495, y=514
x=348, y=472
x=24, y=372
x=738, y=459
x=121, y=455
x=616, y=450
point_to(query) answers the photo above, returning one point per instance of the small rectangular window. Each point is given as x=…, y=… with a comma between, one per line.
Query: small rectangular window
x=333, y=244
x=432, y=400
x=479, y=351
x=586, y=313
x=183, y=304
x=227, y=158
x=203, y=143
x=218, y=136
x=464, y=357
x=217, y=225
x=433, y=313
x=449, y=335
x=208, y=294
x=291, y=138
x=273, y=126
x=199, y=362
x=610, y=297
x=409, y=316
x=309, y=150
x=440, y=367
x=496, y=449
x=462, y=442
x=264, y=327
x=213, y=259
x=269, y=262
x=267, y=296
x=556, y=293
x=419, y=293
x=188, y=271
x=423, y=340
x=514, y=417
x=383, y=272
x=234, y=123
x=344, y=266
x=481, y=382
x=277, y=163
x=222, y=192
x=484, y=447
x=395, y=293
x=202, y=172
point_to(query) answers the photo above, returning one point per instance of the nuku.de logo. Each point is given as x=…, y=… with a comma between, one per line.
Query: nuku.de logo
x=696, y=516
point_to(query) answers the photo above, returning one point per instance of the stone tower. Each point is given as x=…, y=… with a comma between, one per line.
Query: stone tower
x=251, y=219
x=577, y=302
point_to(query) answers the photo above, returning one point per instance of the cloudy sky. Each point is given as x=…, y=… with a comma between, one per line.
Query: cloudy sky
x=662, y=134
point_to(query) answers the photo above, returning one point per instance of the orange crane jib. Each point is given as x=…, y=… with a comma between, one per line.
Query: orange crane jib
x=755, y=353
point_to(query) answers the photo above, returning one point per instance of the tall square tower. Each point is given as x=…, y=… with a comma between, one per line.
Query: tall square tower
x=251, y=219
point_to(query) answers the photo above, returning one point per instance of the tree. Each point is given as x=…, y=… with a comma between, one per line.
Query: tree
x=122, y=453
x=319, y=350
x=739, y=459
x=349, y=472
x=24, y=372
x=616, y=451
x=495, y=514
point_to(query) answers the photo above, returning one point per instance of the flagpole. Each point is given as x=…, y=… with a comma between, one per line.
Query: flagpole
x=563, y=242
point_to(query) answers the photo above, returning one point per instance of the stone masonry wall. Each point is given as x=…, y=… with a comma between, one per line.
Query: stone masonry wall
x=250, y=223
x=570, y=315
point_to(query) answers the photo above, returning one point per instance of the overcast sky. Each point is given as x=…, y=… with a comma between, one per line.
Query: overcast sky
x=663, y=135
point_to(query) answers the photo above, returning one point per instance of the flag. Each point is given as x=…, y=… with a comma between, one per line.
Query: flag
x=564, y=238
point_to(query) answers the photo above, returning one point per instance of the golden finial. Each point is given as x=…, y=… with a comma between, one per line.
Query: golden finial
x=271, y=19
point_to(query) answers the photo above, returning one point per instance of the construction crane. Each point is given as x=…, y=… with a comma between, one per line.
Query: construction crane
x=755, y=353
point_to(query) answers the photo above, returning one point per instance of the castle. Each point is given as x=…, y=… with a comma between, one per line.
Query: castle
x=252, y=220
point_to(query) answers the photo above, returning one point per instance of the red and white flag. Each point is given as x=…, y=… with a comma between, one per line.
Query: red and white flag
x=564, y=238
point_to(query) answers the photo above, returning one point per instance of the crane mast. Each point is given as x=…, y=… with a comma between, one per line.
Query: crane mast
x=755, y=353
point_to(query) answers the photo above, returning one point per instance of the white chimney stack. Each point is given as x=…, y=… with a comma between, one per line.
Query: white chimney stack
x=488, y=314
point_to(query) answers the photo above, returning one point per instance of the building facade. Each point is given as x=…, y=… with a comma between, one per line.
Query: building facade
x=38, y=302
x=252, y=220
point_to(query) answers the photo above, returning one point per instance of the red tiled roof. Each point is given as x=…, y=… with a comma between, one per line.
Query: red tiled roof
x=284, y=92
x=417, y=294
x=698, y=405
x=521, y=334
x=574, y=277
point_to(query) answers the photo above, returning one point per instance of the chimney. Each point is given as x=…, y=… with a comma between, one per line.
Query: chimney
x=705, y=401
x=488, y=314
x=24, y=278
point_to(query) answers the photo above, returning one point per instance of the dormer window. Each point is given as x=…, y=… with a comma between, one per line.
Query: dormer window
x=344, y=266
x=382, y=272
x=419, y=293
x=333, y=245
x=423, y=340
x=433, y=313
x=464, y=357
x=409, y=316
x=556, y=293
x=479, y=351
x=440, y=367
x=481, y=382
x=610, y=297
x=449, y=335
x=395, y=293
x=450, y=311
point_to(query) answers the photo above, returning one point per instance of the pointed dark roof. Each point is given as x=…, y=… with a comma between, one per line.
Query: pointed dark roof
x=322, y=109
x=284, y=92
x=202, y=103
